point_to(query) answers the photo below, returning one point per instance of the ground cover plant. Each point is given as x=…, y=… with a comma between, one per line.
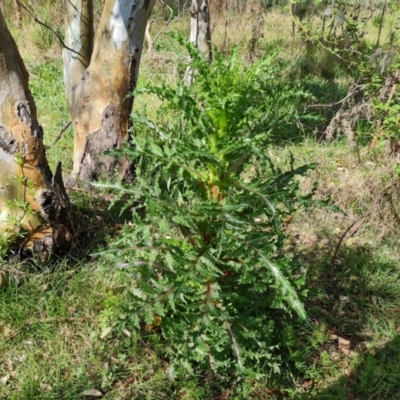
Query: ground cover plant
x=81, y=327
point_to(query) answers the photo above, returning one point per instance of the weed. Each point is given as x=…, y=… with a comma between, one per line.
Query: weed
x=207, y=263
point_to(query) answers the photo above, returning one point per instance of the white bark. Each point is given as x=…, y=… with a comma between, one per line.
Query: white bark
x=79, y=38
x=100, y=103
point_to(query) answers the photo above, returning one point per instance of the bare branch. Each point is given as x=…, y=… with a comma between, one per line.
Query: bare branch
x=61, y=132
x=52, y=30
x=166, y=24
x=352, y=93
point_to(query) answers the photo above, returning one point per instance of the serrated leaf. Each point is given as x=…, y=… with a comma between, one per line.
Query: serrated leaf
x=155, y=149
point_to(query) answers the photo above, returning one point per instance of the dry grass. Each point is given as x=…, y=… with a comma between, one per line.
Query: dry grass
x=357, y=182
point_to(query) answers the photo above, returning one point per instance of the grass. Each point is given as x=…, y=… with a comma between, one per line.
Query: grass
x=48, y=91
x=58, y=358
x=60, y=353
x=52, y=319
x=356, y=295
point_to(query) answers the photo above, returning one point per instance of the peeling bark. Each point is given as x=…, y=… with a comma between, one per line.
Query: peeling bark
x=100, y=103
x=204, y=31
x=26, y=182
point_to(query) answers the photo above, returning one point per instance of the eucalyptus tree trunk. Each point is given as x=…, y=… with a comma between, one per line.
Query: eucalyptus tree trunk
x=100, y=74
x=31, y=197
x=200, y=32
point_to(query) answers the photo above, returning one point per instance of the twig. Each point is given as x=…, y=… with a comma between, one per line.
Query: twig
x=60, y=134
x=128, y=381
x=52, y=30
x=352, y=93
x=166, y=25
x=121, y=385
x=367, y=214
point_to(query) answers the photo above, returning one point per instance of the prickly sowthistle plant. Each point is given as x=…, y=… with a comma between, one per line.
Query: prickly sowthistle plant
x=208, y=270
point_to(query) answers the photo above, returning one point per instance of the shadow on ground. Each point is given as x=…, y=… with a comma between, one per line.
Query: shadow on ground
x=377, y=377
x=356, y=298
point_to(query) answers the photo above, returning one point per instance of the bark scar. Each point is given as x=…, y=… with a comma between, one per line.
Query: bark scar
x=23, y=112
x=7, y=141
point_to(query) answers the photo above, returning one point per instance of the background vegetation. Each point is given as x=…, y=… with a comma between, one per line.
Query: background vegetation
x=311, y=101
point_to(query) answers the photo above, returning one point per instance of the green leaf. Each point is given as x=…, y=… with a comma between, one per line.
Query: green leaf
x=155, y=149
